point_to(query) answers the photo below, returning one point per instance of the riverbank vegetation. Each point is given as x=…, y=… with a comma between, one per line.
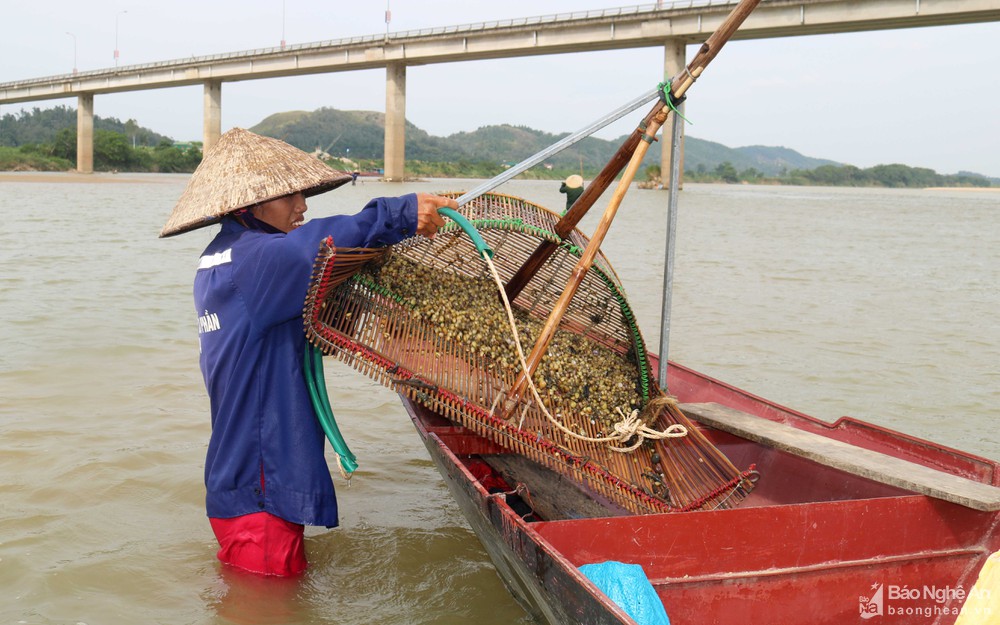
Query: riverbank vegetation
x=893, y=176
x=45, y=140
x=112, y=152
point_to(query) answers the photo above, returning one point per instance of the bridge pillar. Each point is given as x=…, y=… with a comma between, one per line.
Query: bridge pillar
x=395, y=122
x=212, y=123
x=85, y=133
x=674, y=61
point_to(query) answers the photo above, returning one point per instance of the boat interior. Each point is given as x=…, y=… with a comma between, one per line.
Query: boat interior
x=785, y=478
x=829, y=514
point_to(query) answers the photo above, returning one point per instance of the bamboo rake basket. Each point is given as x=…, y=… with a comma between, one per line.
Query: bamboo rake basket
x=353, y=313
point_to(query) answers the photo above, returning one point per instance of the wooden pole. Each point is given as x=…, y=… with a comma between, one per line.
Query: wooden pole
x=591, y=194
x=587, y=258
x=680, y=83
x=679, y=86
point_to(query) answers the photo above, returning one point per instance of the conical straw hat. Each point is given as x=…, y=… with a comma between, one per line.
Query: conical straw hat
x=244, y=169
x=575, y=181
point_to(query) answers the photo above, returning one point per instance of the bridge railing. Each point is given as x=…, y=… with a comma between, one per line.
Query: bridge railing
x=520, y=22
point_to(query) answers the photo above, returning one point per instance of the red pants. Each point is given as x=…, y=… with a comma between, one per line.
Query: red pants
x=261, y=543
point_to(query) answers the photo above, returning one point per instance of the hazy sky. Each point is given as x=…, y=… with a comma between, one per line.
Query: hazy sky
x=923, y=97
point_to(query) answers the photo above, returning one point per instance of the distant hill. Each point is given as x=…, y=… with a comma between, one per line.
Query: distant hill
x=770, y=161
x=330, y=130
x=360, y=134
x=994, y=181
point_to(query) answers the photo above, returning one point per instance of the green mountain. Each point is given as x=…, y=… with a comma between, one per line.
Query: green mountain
x=354, y=133
x=359, y=135
x=770, y=161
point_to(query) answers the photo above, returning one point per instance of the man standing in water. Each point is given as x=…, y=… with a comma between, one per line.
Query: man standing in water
x=265, y=474
x=573, y=188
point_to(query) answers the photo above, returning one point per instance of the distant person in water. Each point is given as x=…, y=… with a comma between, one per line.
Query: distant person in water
x=354, y=177
x=573, y=188
x=265, y=472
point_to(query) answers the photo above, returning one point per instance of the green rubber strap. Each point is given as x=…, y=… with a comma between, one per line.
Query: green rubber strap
x=666, y=88
x=463, y=223
x=316, y=382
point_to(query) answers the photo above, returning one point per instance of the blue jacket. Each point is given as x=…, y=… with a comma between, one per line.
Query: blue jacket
x=266, y=448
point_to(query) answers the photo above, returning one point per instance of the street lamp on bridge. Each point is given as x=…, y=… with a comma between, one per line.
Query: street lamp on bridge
x=282, y=24
x=118, y=15
x=74, y=51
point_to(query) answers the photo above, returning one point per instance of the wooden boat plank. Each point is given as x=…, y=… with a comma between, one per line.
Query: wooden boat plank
x=691, y=386
x=845, y=457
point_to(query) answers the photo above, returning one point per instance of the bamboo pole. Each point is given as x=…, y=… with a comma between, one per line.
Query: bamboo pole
x=679, y=86
x=587, y=258
x=680, y=83
x=590, y=195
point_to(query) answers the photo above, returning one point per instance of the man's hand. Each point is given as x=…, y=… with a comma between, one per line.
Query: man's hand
x=428, y=220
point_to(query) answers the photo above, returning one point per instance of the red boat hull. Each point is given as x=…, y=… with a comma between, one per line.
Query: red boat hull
x=813, y=545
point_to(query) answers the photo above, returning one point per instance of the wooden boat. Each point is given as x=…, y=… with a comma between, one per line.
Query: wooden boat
x=852, y=521
x=848, y=521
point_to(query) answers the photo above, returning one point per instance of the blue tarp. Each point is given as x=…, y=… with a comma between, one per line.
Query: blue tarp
x=628, y=586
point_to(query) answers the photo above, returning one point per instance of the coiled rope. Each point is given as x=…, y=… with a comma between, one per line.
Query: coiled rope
x=629, y=427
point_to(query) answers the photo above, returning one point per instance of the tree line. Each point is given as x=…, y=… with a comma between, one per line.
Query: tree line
x=46, y=140
x=889, y=176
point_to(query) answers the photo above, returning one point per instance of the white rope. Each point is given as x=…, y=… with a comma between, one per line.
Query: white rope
x=630, y=426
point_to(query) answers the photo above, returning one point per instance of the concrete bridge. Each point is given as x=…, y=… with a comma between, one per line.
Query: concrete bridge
x=672, y=25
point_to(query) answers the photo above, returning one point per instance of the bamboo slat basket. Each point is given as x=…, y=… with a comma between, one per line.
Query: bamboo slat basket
x=424, y=318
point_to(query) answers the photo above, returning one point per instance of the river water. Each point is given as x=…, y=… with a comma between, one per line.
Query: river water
x=880, y=304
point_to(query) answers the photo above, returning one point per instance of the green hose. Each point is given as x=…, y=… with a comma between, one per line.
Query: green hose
x=313, y=365
x=463, y=223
